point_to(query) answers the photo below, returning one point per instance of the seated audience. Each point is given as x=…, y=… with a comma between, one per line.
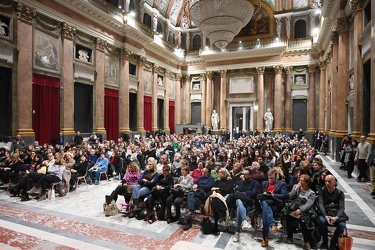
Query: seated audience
x=100, y=165
x=301, y=198
x=182, y=187
x=332, y=208
x=277, y=192
x=244, y=197
x=54, y=174
x=147, y=181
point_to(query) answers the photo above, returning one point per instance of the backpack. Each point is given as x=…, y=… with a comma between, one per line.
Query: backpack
x=141, y=214
x=206, y=226
x=111, y=209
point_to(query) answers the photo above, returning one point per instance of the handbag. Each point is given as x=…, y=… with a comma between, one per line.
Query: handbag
x=177, y=192
x=345, y=242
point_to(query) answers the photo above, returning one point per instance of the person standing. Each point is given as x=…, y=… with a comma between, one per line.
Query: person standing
x=361, y=157
x=371, y=163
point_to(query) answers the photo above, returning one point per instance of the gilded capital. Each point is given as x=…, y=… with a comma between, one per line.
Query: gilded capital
x=125, y=54
x=312, y=68
x=322, y=65
x=223, y=73
x=155, y=68
x=288, y=70
x=25, y=13
x=260, y=70
x=204, y=77
x=278, y=69
x=209, y=75
x=335, y=38
x=101, y=44
x=178, y=76
x=67, y=31
x=142, y=60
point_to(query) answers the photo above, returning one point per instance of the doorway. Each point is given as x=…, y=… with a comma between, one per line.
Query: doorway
x=299, y=114
x=5, y=101
x=196, y=113
x=83, y=107
x=241, y=118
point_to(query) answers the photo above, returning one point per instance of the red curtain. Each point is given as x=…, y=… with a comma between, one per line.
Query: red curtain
x=171, y=116
x=147, y=113
x=111, y=119
x=46, y=107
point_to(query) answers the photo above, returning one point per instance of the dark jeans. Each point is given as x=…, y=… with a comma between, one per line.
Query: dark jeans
x=290, y=228
x=362, y=167
x=340, y=226
x=45, y=180
x=176, y=201
x=193, y=201
x=119, y=190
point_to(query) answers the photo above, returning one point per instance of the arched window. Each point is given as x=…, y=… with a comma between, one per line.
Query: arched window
x=300, y=29
x=197, y=42
x=171, y=38
x=159, y=28
x=147, y=19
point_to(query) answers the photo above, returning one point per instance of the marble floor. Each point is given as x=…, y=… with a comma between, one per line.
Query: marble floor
x=77, y=221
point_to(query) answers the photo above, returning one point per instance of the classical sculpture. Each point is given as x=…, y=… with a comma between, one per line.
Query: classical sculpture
x=215, y=120
x=268, y=120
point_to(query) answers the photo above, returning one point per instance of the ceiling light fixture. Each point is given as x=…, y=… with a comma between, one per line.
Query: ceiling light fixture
x=221, y=20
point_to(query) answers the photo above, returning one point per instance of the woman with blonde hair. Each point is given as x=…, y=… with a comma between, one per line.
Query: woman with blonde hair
x=146, y=182
x=125, y=187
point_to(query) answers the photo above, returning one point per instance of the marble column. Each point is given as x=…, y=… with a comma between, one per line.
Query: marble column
x=178, y=101
x=67, y=81
x=209, y=99
x=223, y=98
x=155, y=98
x=288, y=99
x=203, y=100
x=371, y=135
x=357, y=64
x=334, y=83
x=322, y=96
x=311, y=110
x=140, y=96
x=328, y=111
x=278, y=105
x=244, y=121
x=23, y=113
x=342, y=79
x=187, y=80
x=99, y=86
x=260, y=96
x=124, y=92
x=268, y=91
x=167, y=81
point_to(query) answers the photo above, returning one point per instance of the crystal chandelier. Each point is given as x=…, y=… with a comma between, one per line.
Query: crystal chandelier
x=221, y=20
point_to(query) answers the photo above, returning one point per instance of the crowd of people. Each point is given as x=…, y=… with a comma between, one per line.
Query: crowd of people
x=272, y=176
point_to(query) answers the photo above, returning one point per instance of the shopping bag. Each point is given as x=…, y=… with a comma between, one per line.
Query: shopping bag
x=345, y=242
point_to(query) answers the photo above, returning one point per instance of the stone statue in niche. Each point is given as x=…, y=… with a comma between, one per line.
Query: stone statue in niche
x=83, y=55
x=2, y=28
x=160, y=81
x=300, y=80
x=215, y=120
x=268, y=120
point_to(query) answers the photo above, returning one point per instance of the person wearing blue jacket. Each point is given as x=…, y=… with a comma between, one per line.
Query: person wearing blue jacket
x=100, y=165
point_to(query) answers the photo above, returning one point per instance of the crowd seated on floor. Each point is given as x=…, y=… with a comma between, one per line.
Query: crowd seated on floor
x=268, y=177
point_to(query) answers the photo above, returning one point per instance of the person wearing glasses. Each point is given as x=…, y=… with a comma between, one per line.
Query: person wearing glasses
x=302, y=198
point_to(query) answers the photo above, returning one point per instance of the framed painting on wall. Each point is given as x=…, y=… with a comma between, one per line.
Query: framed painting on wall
x=46, y=51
